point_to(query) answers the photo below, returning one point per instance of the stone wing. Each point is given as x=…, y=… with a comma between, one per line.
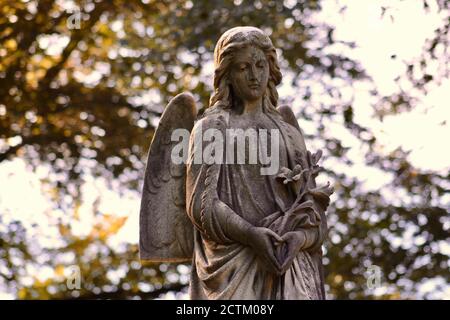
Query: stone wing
x=166, y=233
x=289, y=116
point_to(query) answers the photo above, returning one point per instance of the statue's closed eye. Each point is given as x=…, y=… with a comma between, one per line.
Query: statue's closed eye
x=242, y=66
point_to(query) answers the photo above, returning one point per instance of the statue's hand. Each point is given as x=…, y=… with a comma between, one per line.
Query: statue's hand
x=294, y=241
x=262, y=240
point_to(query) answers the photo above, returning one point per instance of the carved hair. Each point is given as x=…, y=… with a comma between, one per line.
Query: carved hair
x=229, y=43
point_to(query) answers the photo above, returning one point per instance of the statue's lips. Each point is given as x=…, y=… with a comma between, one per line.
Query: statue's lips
x=254, y=86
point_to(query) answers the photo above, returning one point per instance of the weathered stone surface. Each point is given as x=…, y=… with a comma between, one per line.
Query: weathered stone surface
x=250, y=232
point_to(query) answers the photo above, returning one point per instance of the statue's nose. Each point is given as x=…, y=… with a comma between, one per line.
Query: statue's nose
x=252, y=73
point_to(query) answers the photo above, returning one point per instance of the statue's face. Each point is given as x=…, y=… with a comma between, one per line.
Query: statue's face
x=249, y=73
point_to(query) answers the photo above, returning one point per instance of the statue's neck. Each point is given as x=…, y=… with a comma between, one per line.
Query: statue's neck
x=250, y=107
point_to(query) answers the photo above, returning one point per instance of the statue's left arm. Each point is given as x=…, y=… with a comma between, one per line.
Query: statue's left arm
x=314, y=236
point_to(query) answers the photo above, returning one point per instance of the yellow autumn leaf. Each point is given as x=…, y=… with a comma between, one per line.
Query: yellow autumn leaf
x=46, y=63
x=31, y=78
x=64, y=230
x=10, y=44
x=22, y=294
x=116, y=225
x=59, y=270
x=108, y=226
x=107, y=42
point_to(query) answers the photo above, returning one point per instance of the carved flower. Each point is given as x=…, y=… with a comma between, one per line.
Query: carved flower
x=288, y=175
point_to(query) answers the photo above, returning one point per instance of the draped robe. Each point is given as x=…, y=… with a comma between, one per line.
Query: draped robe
x=223, y=268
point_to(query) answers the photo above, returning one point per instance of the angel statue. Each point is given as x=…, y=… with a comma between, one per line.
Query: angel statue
x=248, y=233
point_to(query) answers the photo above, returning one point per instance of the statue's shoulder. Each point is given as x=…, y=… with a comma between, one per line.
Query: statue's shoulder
x=216, y=118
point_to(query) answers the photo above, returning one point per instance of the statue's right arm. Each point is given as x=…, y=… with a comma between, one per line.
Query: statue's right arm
x=221, y=224
x=214, y=218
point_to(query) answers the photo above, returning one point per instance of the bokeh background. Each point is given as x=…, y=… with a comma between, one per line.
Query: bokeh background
x=83, y=85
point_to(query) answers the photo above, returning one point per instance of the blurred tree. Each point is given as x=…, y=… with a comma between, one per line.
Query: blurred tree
x=82, y=84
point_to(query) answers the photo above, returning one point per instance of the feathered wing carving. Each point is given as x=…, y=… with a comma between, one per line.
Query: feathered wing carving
x=288, y=116
x=166, y=233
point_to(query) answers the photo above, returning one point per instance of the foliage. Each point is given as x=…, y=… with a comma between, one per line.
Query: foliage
x=86, y=100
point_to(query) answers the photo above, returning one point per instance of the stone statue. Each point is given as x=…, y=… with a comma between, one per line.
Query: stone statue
x=250, y=232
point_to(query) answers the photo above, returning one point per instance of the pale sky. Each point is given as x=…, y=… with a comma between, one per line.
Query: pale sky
x=22, y=196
